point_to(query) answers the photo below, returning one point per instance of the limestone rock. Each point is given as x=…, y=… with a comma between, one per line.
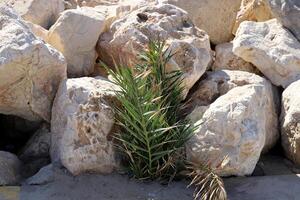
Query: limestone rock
x=10, y=167
x=232, y=132
x=288, y=13
x=215, y=17
x=40, y=12
x=117, y=9
x=271, y=48
x=38, y=31
x=253, y=10
x=75, y=34
x=225, y=59
x=81, y=125
x=30, y=70
x=130, y=35
x=290, y=122
x=38, y=145
x=219, y=83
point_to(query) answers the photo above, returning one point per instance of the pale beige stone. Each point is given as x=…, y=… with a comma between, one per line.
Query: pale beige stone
x=216, y=17
x=290, y=122
x=225, y=59
x=232, y=132
x=130, y=35
x=40, y=12
x=30, y=70
x=271, y=48
x=75, y=34
x=253, y=10
x=81, y=126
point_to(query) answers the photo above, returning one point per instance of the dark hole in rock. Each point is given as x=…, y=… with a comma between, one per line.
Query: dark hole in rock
x=142, y=17
x=15, y=132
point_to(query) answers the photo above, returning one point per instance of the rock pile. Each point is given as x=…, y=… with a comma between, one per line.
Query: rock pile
x=49, y=75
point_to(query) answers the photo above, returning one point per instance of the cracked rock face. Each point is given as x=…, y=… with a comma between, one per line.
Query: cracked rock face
x=237, y=114
x=40, y=12
x=130, y=35
x=253, y=10
x=225, y=59
x=290, y=122
x=75, y=34
x=82, y=121
x=216, y=18
x=271, y=48
x=10, y=168
x=288, y=13
x=30, y=70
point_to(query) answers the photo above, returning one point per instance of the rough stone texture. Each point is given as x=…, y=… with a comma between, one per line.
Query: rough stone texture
x=82, y=121
x=219, y=83
x=271, y=48
x=41, y=12
x=288, y=13
x=232, y=132
x=38, y=31
x=30, y=70
x=290, y=122
x=130, y=35
x=38, y=145
x=10, y=167
x=216, y=18
x=253, y=10
x=116, y=9
x=225, y=59
x=75, y=34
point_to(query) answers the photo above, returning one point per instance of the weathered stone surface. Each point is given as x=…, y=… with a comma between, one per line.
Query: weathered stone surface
x=219, y=83
x=232, y=132
x=253, y=10
x=10, y=168
x=290, y=122
x=38, y=145
x=38, y=31
x=288, y=13
x=271, y=48
x=41, y=12
x=225, y=59
x=116, y=9
x=82, y=121
x=75, y=34
x=30, y=70
x=216, y=18
x=130, y=35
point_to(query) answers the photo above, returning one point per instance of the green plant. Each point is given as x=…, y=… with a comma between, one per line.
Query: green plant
x=151, y=135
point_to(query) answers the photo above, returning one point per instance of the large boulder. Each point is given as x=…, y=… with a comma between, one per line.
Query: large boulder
x=290, y=122
x=10, y=168
x=253, y=10
x=219, y=83
x=40, y=12
x=271, y=48
x=75, y=34
x=233, y=131
x=216, y=18
x=130, y=35
x=30, y=70
x=225, y=59
x=114, y=10
x=81, y=126
x=288, y=13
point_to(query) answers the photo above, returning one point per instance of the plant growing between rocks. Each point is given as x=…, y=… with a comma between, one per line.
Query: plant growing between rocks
x=152, y=135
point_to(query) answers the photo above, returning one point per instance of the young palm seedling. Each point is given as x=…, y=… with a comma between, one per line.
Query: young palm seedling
x=151, y=136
